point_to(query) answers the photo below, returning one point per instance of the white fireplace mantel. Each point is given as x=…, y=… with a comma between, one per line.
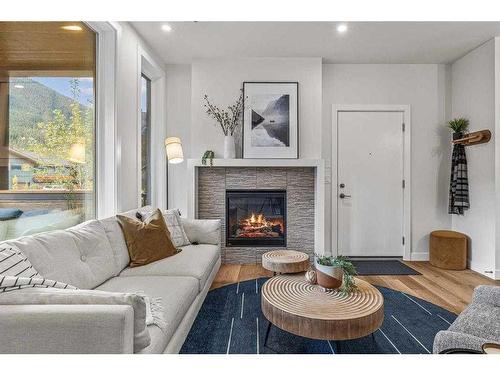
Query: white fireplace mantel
x=319, y=186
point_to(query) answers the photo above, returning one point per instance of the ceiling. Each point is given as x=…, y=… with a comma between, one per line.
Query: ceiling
x=45, y=46
x=364, y=42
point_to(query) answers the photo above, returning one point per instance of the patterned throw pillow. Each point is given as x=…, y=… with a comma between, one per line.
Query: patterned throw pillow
x=15, y=263
x=177, y=233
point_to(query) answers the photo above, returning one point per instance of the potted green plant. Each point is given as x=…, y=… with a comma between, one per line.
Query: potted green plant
x=335, y=272
x=459, y=127
x=208, y=155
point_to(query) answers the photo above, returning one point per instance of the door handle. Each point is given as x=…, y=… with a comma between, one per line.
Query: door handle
x=342, y=196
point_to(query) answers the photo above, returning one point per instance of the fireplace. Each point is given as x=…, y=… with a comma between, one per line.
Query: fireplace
x=255, y=218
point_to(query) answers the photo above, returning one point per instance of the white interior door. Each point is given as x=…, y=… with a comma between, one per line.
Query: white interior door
x=370, y=176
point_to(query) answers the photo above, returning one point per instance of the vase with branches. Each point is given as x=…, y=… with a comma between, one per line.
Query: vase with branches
x=229, y=120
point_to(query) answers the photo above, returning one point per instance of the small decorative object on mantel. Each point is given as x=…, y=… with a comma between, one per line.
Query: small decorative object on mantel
x=311, y=277
x=208, y=155
x=270, y=120
x=228, y=119
x=335, y=273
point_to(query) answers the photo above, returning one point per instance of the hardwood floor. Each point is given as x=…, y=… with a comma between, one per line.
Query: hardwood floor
x=451, y=290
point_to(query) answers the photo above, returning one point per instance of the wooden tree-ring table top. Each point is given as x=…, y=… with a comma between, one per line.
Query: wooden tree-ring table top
x=292, y=304
x=285, y=261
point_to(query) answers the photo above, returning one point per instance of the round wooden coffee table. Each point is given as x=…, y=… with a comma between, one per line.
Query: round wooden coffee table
x=285, y=261
x=292, y=304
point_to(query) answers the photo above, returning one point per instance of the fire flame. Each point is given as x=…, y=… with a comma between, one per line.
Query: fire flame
x=257, y=220
x=256, y=225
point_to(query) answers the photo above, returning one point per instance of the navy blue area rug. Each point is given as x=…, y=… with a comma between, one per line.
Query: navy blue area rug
x=231, y=322
x=383, y=267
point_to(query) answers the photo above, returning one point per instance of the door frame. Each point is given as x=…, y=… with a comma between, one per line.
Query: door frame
x=405, y=109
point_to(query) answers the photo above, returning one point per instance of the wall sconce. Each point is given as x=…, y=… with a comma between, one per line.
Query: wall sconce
x=173, y=146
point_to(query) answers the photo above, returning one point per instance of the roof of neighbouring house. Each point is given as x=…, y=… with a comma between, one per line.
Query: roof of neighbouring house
x=37, y=159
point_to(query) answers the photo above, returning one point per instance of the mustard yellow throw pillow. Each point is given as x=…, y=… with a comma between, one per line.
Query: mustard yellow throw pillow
x=147, y=241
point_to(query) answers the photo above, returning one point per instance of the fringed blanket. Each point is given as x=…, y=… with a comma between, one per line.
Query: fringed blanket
x=154, y=307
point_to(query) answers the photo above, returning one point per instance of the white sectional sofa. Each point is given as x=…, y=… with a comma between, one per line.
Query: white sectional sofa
x=93, y=255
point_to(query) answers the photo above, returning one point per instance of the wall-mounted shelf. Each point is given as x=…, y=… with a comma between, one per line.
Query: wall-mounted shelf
x=474, y=138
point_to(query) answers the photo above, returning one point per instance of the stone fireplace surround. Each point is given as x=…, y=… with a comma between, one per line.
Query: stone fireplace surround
x=303, y=180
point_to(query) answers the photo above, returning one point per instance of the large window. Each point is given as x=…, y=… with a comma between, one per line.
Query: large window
x=145, y=140
x=47, y=126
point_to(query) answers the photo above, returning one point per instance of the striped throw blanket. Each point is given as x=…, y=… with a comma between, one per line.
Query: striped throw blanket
x=10, y=283
x=16, y=272
x=459, y=183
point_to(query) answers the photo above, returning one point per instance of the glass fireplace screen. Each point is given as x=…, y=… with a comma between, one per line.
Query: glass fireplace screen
x=256, y=218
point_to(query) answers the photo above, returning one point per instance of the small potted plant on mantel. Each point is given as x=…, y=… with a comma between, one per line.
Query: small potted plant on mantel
x=335, y=272
x=459, y=127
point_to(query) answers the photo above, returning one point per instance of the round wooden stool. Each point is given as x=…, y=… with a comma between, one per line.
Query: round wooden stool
x=285, y=261
x=448, y=249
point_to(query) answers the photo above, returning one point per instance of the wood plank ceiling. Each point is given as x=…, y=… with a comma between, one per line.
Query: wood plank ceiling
x=26, y=47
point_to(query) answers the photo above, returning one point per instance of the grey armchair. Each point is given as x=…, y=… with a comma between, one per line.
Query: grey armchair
x=479, y=323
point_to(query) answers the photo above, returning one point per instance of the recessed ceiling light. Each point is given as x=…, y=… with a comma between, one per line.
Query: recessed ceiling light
x=18, y=86
x=342, y=28
x=72, y=28
x=166, y=28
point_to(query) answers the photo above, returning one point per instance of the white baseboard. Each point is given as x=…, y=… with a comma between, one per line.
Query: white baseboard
x=421, y=256
x=482, y=268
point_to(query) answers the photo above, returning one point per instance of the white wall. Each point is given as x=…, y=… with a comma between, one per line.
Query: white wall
x=179, y=125
x=426, y=89
x=221, y=80
x=128, y=70
x=473, y=97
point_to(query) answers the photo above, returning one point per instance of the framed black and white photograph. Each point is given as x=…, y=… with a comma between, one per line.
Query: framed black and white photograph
x=270, y=120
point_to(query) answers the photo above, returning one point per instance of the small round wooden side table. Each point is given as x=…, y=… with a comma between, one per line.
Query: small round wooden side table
x=285, y=261
x=292, y=304
x=448, y=249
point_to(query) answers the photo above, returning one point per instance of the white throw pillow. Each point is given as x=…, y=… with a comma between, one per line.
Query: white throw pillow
x=173, y=219
x=177, y=233
x=15, y=263
x=203, y=231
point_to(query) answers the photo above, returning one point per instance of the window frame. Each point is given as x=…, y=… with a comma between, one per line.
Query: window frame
x=148, y=66
x=148, y=111
x=9, y=194
x=106, y=156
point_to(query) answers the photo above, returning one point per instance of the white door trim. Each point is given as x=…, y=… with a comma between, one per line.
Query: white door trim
x=405, y=109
